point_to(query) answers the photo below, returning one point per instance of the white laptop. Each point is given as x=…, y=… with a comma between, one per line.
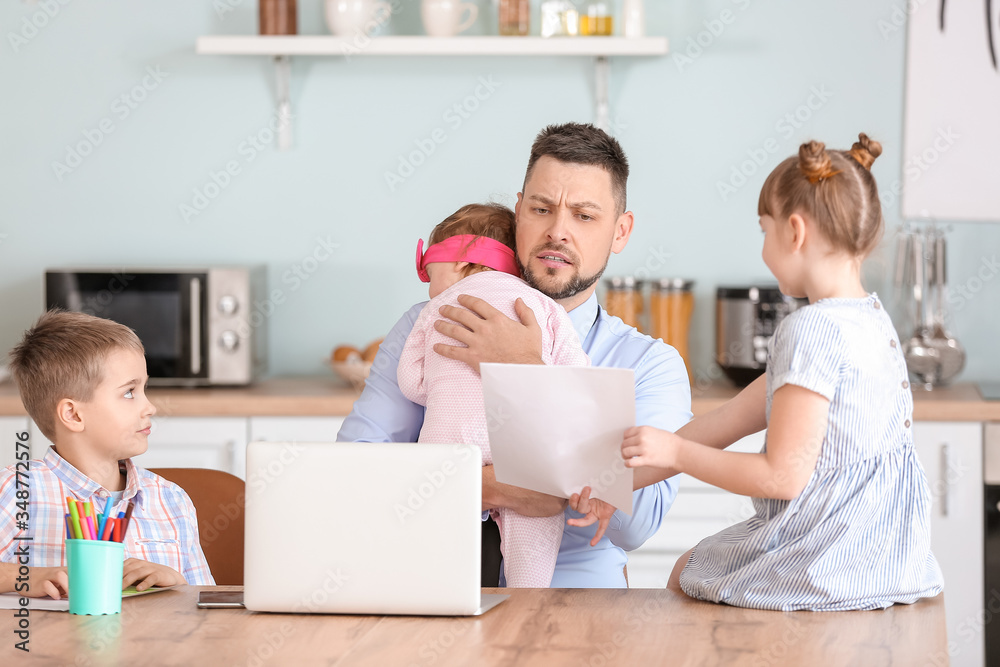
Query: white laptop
x=364, y=528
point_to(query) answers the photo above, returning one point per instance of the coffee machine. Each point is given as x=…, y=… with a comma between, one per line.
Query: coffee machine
x=745, y=319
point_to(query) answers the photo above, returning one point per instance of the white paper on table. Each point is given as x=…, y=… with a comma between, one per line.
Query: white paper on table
x=12, y=601
x=556, y=429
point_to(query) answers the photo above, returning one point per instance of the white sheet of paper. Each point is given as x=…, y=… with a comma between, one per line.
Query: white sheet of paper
x=11, y=601
x=556, y=429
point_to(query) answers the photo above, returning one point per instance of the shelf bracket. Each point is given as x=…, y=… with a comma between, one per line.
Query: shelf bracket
x=602, y=112
x=283, y=71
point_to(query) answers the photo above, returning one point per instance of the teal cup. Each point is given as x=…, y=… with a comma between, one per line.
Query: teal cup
x=95, y=576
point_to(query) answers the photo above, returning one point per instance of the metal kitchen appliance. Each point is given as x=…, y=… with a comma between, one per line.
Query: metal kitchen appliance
x=933, y=356
x=745, y=319
x=199, y=327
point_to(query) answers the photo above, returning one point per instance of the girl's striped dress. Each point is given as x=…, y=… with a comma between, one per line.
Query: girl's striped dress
x=858, y=536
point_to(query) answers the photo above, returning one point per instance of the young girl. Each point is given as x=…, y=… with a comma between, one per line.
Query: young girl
x=472, y=252
x=842, y=504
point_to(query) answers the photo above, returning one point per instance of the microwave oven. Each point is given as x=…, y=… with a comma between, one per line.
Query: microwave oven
x=198, y=326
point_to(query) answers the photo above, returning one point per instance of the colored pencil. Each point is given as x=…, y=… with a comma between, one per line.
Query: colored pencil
x=128, y=518
x=104, y=518
x=80, y=514
x=108, y=525
x=74, y=519
x=84, y=524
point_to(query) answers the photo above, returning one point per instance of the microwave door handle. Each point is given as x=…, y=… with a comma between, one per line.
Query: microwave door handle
x=195, y=320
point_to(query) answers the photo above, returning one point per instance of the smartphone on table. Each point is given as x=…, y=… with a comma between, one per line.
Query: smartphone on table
x=220, y=600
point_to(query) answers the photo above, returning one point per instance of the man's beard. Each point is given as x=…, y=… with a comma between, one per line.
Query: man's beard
x=574, y=286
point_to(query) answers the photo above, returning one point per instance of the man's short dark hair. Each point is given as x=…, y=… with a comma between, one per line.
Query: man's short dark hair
x=579, y=143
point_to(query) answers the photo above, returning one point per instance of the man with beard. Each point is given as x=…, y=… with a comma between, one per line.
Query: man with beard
x=571, y=216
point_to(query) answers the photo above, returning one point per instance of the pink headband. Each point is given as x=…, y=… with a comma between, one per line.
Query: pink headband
x=467, y=248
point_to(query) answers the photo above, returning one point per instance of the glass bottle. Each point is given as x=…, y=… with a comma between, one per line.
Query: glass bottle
x=560, y=18
x=671, y=303
x=515, y=17
x=624, y=300
x=597, y=20
x=633, y=18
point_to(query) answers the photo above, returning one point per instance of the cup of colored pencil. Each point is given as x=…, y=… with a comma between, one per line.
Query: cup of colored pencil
x=95, y=556
x=84, y=523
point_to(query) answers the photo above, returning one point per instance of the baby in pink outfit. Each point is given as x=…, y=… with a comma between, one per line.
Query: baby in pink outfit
x=471, y=252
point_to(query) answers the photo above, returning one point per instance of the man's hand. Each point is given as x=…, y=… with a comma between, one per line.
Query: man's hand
x=489, y=335
x=522, y=501
x=47, y=581
x=149, y=574
x=594, y=509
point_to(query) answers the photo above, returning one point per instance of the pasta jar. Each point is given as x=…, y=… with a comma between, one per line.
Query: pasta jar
x=671, y=303
x=624, y=299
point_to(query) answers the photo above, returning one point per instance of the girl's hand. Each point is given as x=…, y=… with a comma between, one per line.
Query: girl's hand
x=648, y=446
x=594, y=509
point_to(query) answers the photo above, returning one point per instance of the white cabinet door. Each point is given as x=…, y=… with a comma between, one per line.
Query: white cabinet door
x=11, y=430
x=699, y=510
x=219, y=443
x=952, y=456
x=297, y=429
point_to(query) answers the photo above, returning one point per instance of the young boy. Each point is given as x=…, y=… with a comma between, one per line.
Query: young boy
x=82, y=379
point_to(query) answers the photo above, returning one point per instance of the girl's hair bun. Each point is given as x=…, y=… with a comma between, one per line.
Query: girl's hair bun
x=814, y=162
x=846, y=209
x=865, y=150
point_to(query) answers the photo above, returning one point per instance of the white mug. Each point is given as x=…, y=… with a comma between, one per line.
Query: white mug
x=441, y=17
x=348, y=17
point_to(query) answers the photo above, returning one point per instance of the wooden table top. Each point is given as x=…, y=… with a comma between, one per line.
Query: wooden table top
x=543, y=627
x=328, y=396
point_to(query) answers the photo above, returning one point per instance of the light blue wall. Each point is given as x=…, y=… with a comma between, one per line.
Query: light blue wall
x=684, y=127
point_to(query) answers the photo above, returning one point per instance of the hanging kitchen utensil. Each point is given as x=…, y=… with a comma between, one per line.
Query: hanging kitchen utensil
x=933, y=357
x=950, y=351
x=921, y=357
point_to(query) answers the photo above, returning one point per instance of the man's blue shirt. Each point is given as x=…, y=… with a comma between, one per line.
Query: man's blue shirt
x=662, y=399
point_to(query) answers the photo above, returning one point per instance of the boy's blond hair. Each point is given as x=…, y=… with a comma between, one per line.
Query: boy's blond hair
x=63, y=356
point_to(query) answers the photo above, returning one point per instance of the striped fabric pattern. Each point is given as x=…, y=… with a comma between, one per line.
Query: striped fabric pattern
x=163, y=528
x=858, y=536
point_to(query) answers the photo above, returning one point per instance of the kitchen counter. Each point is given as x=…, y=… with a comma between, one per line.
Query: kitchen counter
x=328, y=396
x=287, y=396
x=960, y=402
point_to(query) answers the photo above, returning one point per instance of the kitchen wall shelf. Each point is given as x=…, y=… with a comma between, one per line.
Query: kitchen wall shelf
x=282, y=48
x=321, y=45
